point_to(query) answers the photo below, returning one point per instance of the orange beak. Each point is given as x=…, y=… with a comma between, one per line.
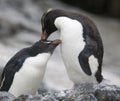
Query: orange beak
x=44, y=35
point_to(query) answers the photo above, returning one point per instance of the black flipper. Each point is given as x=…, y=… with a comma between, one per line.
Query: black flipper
x=8, y=74
x=83, y=60
x=6, y=81
x=11, y=68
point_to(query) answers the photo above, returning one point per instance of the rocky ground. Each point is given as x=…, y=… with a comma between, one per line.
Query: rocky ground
x=20, y=27
x=85, y=92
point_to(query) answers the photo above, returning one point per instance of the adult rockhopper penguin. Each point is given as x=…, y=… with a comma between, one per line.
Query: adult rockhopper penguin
x=25, y=70
x=81, y=47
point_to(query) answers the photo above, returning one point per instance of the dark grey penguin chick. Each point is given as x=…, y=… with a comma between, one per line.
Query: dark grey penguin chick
x=25, y=70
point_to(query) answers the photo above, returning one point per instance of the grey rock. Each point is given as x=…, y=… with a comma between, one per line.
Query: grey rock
x=85, y=92
x=90, y=92
x=107, y=93
x=5, y=96
x=29, y=98
x=86, y=97
x=49, y=98
x=85, y=87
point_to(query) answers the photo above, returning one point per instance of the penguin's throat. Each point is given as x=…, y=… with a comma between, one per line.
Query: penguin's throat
x=69, y=28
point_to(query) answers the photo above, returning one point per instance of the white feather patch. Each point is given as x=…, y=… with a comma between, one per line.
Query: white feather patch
x=2, y=81
x=93, y=62
x=27, y=80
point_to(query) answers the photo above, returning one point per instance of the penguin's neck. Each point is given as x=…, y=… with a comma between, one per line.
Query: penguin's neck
x=70, y=29
x=37, y=62
x=71, y=32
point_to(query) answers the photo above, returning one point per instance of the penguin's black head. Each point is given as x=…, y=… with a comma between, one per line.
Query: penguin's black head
x=48, y=20
x=44, y=47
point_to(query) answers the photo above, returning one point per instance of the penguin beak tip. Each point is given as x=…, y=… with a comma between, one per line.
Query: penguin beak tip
x=57, y=41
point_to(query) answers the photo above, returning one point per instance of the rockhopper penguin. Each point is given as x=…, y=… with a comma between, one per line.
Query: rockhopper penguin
x=24, y=72
x=81, y=47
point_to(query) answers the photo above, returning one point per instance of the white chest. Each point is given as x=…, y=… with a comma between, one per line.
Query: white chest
x=72, y=44
x=29, y=77
x=71, y=34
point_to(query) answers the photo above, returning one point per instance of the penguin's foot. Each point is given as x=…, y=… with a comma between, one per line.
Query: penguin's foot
x=76, y=85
